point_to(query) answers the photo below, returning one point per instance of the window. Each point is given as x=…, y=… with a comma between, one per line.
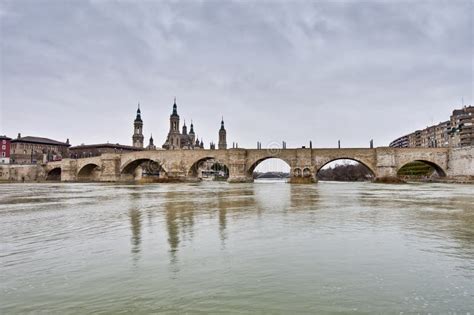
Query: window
x=3, y=154
x=4, y=141
x=4, y=147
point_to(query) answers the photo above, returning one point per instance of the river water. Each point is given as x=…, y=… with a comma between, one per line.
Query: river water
x=213, y=247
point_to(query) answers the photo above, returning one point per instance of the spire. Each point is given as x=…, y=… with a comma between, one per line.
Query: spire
x=151, y=145
x=139, y=117
x=222, y=123
x=137, y=138
x=222, y=144
x=185, y=128
x=192, y=127
x=175, y=108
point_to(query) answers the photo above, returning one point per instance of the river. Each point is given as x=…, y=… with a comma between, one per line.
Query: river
x=214, y=247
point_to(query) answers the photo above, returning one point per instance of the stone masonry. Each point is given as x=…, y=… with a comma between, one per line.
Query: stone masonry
x=304, y=163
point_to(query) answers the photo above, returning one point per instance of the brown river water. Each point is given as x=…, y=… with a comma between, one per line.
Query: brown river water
x=213, y=247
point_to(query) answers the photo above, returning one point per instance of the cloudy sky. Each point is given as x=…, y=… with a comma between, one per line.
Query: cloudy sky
x=288, y=70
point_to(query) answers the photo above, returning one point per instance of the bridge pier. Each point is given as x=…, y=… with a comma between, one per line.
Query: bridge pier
x=303, y=174
x=110, y=168
x=238, y=168
x=69, y=170
x=385, y=170
x=302, y=180
x=240, y=179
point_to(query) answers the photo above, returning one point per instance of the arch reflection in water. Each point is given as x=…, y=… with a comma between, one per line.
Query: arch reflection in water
x=135, y=216
x=183, y=210
x=272, y=196
x=234, y=204
x=179, y=212
x=304, y=197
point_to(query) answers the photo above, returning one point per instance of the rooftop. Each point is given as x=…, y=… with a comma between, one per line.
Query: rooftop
x=105, y=145
x=40, y=140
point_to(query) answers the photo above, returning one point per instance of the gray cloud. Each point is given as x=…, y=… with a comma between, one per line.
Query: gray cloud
x=289, y=70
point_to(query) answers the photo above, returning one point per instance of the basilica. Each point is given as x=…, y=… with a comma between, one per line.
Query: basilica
x=177, y=138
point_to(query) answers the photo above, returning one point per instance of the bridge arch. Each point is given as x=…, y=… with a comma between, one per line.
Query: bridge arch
x=54, y=174
x=253, y=165
x=360, y=161
x=88, y=172
x=193, y=170
x=150, y=165
x=439, y=170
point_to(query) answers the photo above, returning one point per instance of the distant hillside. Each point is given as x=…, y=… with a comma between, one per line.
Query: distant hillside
x=416, y=169
x=275, y=175
x=346, y=173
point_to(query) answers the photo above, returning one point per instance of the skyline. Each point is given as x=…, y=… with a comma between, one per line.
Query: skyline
x=290, y=72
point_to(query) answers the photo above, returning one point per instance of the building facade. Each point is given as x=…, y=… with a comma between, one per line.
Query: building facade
x=33, y=150
x=456, y=132
x=181, y=140
x=177, y=138
x=462, y=127
x=90, y=150
x=402, y=142
x=5, y=143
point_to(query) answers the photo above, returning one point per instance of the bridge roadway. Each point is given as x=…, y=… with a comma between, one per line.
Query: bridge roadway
x=383, y=162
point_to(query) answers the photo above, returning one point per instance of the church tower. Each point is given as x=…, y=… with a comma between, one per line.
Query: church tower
x=137, y=138
x=185, y=129
x=192, y=135
x=151, y=145
x=222, y=145
x=174, y=137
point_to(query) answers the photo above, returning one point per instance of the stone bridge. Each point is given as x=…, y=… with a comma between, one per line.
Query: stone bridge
x=304, y=163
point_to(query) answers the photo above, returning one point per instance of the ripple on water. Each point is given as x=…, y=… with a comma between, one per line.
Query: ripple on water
x=265, y=247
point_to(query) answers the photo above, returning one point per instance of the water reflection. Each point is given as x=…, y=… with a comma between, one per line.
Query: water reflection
x=271, y=196
x=304, y=197
x=222, y=208
x=135, y=216
x=236, y=203
x=179, y=212
x=252, y=248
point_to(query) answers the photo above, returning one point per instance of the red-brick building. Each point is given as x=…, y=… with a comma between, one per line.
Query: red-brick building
x=5, y=144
